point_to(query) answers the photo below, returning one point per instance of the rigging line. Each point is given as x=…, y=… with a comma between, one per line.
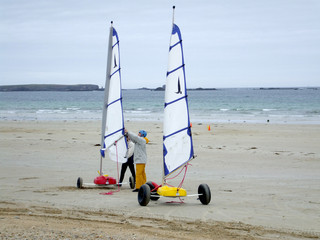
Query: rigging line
x=185, y=173
x=115, y=44
x=111, y=192
x=164, y=137
x=121, y=129
x=175, y=45
x=117, y=100
x=116, y=143
x=168, y=73
x=178, y=99
x=175, y=175
x=118, y=70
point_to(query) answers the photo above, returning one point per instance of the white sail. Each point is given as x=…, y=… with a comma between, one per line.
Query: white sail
x=177, y=138
x=113, y=140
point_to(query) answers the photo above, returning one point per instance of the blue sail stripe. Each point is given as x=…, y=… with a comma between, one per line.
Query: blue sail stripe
x=175, y=45
x=118, y=70
x=117, y=43
x=164, y=137
x=168, y=73
x=117, y=100
x=121, y=129
x=178, y=99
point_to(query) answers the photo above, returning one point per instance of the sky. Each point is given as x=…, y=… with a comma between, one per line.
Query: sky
x=227, y=43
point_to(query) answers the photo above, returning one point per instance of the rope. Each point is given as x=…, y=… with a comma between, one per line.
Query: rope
x=181, y=183
x=185, y=172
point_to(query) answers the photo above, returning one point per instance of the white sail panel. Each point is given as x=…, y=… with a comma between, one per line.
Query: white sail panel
x=177, y=139
x=176, y=117
x=114, y=140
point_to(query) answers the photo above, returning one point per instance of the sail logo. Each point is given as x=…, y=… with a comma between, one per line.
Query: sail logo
x=115, y=62
x=179, y=87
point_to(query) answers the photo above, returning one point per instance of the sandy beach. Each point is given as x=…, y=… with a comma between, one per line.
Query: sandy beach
x=264, y=181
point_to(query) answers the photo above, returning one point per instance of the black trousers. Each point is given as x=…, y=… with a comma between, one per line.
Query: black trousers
x=124, y=166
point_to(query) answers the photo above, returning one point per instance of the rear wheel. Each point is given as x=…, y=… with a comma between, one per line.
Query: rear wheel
x=144, y=195
x=154, y=196
x=79, y=182
x=205, y=194
x=131, y=182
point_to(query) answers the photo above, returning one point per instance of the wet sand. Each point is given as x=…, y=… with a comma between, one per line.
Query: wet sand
x=264, y=181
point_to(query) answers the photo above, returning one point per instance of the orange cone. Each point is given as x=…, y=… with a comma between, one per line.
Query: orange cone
x=209, y=129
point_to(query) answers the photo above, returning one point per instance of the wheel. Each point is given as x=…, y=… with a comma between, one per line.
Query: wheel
x=205, y=196
x=154, y=196
x=131, y=182
x=79, y=182
x=144, y=195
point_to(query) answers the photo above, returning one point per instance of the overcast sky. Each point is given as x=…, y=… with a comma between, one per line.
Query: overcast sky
x=227, y=43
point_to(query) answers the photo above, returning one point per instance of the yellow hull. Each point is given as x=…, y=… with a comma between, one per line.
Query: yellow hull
x=171, y=192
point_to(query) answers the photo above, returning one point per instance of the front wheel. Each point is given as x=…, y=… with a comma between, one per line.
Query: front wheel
x=131, y=182
x=154, y=196
x=79, y=182
x=144, y=195
x=205, y=194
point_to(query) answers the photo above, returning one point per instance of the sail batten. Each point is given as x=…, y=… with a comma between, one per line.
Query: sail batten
x=177, y=137
x=168, y=73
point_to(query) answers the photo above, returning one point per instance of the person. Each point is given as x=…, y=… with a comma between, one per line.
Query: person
x=140, y=156
x=129, y=163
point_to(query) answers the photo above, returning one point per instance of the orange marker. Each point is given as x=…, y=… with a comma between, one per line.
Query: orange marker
x=209, y=129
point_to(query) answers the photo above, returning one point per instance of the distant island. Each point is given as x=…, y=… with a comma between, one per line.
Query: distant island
x=164, y=88
x=50, y=87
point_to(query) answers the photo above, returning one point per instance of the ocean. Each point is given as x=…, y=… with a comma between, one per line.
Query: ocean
x=301, y=105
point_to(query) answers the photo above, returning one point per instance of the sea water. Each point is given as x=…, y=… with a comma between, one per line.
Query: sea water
x=301, y=105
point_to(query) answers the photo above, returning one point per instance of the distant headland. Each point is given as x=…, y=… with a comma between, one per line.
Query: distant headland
x=50, y=87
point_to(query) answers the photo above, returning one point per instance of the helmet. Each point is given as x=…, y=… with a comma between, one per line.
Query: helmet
x=143, y=133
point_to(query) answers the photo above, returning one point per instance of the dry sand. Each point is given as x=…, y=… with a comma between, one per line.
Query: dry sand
x=264, y=180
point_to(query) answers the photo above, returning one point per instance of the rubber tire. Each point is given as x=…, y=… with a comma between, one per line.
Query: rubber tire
x=144, y=195
x=205, y=196
x=153, y=195
x=131, y=182
x=79, y=182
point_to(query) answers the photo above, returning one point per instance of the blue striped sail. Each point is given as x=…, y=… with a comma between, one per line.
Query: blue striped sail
x=177, y=138
x=113, y=140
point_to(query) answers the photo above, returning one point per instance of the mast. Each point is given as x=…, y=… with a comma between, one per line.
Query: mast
x=163, y=168
x=173, y=14
x=106, y=93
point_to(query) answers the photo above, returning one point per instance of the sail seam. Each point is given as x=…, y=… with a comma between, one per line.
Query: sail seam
x=121, y=129
x=175, y=70
x=119, y=99
x=175, y=45
x=178, y=99
x=115, y=72
x=164, y=137
x=115, y=44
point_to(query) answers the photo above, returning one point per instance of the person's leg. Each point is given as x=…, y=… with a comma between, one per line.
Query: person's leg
x=144, y=174
x=140, y=175
x=131, y=167
x=123, y=171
